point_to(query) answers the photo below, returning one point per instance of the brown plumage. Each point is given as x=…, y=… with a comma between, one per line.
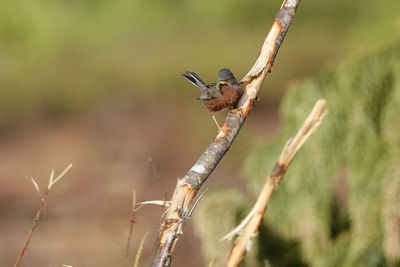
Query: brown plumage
x=228, y=99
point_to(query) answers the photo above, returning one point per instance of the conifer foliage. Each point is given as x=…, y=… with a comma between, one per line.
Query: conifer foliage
x=339, y=203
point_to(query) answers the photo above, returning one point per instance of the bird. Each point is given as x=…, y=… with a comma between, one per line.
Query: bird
x=224, y=94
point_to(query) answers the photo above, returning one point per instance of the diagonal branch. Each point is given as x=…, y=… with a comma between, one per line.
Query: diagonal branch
x=249, y=226
x=187, y=187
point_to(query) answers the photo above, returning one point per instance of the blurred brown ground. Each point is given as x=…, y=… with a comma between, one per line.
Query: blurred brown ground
x=87, y=218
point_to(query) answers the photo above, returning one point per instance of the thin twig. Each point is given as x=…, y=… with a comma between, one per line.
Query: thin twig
x=34, y=184
x=162, y=203
x=248, y=228
x=41, y=209
x=140, y=250
x=188, y=187
x=197, y=202
x=131, y=223
x=50, y=179
x=61, y=175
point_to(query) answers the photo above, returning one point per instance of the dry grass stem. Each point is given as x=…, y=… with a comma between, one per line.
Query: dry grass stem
x=195, y=203
x=58, y=178
x=131, y=223
x=249, y=226
x=41, y=209
x=162, y=203
x=140, y=250
x=34, y=184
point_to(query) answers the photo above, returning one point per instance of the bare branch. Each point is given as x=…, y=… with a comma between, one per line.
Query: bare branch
x=188, y=187
x=248, y=228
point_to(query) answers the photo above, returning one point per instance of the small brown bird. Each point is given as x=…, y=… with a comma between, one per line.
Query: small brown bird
x=221, y=95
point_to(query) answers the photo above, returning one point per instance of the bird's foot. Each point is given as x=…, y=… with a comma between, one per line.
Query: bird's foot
x=216, y=122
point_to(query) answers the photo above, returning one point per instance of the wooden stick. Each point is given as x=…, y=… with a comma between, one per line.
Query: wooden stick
x=249, y=227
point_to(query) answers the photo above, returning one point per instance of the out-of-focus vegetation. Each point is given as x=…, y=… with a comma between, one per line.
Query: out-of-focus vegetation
x=62, y=57
x=338, y=204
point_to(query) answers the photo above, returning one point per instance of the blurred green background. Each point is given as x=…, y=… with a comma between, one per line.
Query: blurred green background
x=97, y=83
x=65, y=57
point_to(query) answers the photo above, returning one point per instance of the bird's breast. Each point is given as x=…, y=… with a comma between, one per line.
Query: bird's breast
x=228, y=99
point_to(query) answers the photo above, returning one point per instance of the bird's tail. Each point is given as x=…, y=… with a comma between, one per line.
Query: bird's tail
x=196, y=80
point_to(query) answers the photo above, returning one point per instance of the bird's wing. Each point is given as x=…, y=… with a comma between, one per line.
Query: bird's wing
x=212, y=91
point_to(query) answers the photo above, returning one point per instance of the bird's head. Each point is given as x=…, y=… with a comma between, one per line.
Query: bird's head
x=225, y=76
